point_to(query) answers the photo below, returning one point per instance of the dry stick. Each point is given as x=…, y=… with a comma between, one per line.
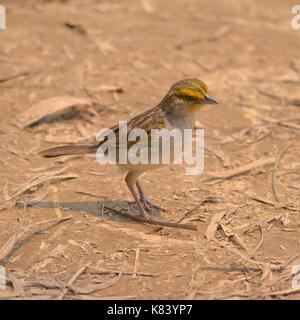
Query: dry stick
x=202, y=201
x=282, y=292
x=277, y=205
x=283, y=100
x=15, y=76
x=274, y=176
x=246, y=228
x=18, y=153
x=31, y=226
x=262, y=263
x=145, y=274
x=94, y=173
x=17, y=285
x=47, y=172
x=259, y=243
x=38, y=181
x=44, y=180
x=213, y=225
x=12, y=244
x=238, y=241
x=136, y=262
x=245, y=294
x=44, y=283
x=290, y=260
x=71, y=281
x=154, y=222
x=289, y=125
x=219, y=154
x=240, y=170
x=216, y=221
x=124, y=297
x=93, y=288
x=283, y=122
x=9, y=245
x=41, y=196
x=89, y=194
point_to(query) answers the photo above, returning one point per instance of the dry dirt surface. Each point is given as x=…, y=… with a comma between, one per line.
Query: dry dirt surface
x=120, y=57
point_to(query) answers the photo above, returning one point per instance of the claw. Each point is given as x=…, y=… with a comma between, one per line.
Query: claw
x=149, y=205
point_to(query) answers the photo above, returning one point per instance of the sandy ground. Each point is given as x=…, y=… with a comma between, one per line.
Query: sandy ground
x=248, y=236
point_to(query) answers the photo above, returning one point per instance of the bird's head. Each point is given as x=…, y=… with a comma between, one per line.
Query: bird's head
x=192, y=93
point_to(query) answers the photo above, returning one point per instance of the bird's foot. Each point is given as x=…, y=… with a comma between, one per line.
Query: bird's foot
x=140, y=208
x=149, y=206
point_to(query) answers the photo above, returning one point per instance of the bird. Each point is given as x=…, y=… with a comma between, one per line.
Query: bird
x=177, y=109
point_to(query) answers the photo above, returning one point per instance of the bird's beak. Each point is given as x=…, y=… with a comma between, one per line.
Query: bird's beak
x=209, y=99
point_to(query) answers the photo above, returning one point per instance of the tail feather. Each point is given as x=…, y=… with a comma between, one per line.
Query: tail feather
x=67, y=150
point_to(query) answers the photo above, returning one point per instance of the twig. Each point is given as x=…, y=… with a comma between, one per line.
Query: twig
x=41, y=196
x=283, y=122
x=15, y=76
x=17, y=284
x=129, y=273
x=93, y=288
x=282, y=292
x=290, y=260
x=44, y=283
x=71, y=281
x=12, y=244
x=282, y=100
x=202, y=201
x=240, y=170
x=44, y=180
x=259, y=243
x=247, y=228
x=274, y=174
x=41, y=180
x=215, y=222
x=276, y=205
x=136, y=262
x=237, y=240
x=213, y=225
x=89, y=194
x=219, y=154
x=123, y=297
x=262, y=263
x=94, y=173
x=18, y=153
x=154, y=222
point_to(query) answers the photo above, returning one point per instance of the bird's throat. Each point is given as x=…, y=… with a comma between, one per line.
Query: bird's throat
x=181, y=122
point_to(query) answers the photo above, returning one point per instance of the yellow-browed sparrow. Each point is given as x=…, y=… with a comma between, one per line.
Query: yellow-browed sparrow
x=176, y=110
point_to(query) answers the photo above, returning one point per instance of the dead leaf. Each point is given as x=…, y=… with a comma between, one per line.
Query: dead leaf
x=107, y=88
x=75, y=27
x=214, y=223
x=48, y=109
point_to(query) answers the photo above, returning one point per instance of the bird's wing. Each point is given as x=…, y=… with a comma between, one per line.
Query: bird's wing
x=148, y=120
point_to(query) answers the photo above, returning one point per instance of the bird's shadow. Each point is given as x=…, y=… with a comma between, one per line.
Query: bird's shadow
x=99, y=208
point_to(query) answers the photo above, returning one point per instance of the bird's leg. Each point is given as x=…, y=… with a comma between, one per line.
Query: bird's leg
x=147, y=203
x=131, y=179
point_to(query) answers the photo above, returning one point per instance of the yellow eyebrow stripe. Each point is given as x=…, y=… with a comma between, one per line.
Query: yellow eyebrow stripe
x=190, y=92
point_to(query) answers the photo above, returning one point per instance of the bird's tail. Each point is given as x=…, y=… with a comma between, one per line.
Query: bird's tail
x=67, y=150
